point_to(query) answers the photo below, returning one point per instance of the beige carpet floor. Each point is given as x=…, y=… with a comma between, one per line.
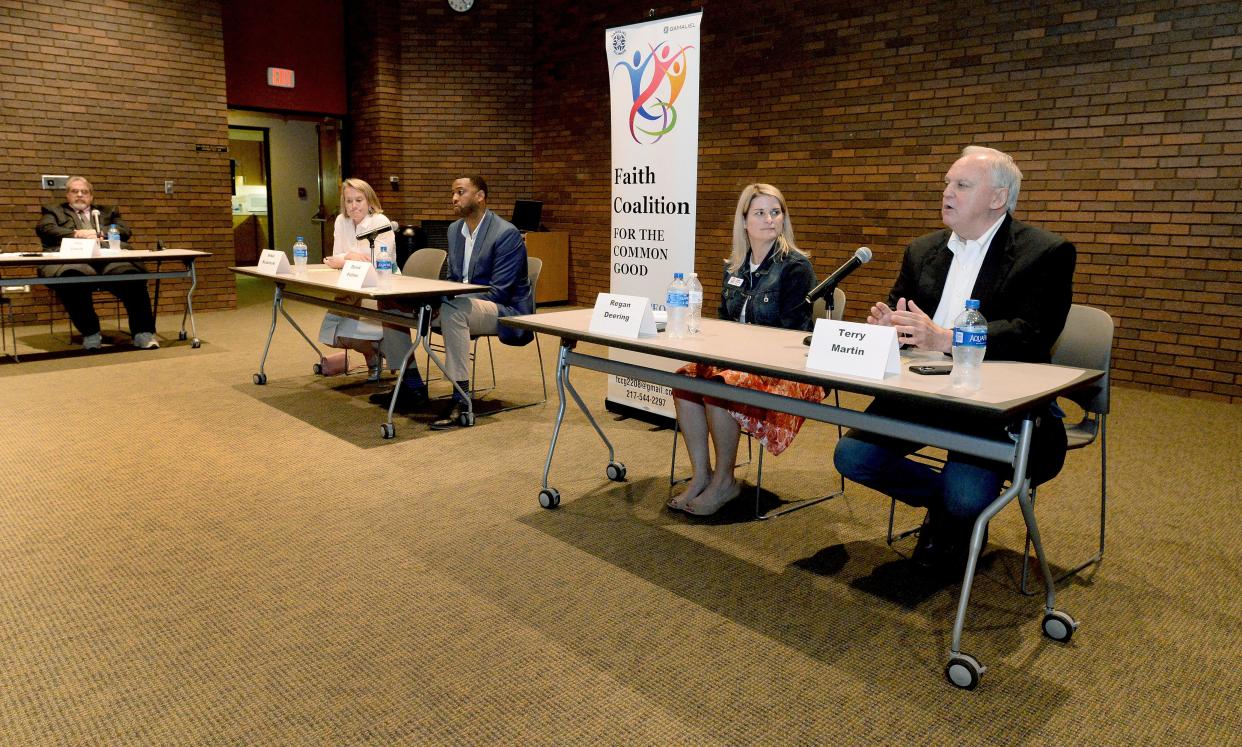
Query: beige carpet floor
x=189, y=558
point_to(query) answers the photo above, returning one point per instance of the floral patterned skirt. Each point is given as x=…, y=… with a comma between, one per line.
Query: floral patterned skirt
x=775, y=430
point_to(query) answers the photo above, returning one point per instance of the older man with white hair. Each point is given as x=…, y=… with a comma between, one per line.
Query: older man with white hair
x=1022, y=277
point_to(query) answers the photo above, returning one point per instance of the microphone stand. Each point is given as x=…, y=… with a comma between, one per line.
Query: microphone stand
x=830, y=298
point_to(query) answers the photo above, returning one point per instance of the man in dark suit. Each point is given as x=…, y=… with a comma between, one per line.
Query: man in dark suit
x=74, y=218
x=1022, y=277
x=484, y=249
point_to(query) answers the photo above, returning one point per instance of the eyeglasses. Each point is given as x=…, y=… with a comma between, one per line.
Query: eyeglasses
x=760, y=213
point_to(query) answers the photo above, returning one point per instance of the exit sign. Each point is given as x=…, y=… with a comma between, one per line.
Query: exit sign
x=280, y=77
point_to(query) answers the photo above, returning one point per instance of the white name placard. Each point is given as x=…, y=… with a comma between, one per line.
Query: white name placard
x=853, y=349
x=623, y=316
x=79, y=247
x=273, y=262
x=356, y=275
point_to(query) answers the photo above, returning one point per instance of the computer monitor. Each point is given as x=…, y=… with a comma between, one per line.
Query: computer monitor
x=526, y=214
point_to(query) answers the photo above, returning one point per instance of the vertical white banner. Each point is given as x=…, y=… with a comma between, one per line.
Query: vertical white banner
x=653, y=70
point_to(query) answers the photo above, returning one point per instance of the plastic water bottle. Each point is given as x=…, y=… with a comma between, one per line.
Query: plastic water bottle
x=696, y=303
x=299, y=257
x=677, y=301
x=383, y=265
x=114, y=238
x=970, y=344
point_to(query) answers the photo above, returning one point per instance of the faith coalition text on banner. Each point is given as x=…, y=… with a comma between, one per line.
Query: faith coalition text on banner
x=653, y=70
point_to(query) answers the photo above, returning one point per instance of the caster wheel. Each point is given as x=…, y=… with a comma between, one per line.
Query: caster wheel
x=259, y=378
x=615, y=471
x=318, y=369
x=466, y=419
x=195, y=343
x=387, y=430
x=964, y=671
x=181, y=335
x=549, y=498
x=1059, y=626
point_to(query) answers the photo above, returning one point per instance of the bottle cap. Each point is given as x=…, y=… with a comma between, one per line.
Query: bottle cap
x=973, y=304
x=678, y=276
x=299, y=238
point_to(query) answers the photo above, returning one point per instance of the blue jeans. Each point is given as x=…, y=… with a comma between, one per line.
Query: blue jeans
x=959, y=491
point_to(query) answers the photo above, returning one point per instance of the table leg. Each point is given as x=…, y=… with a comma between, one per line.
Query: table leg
x=189, y=308
x=550, y=497
x=387, y=429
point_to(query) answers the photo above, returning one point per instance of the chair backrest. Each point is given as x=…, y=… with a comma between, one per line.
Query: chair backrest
x=534, y=266
x=1087, y=342
x=425, y=263
x=820, y=310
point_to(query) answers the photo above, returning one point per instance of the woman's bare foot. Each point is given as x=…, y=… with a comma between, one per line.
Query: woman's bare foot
x=696, y=486
x=711, y=499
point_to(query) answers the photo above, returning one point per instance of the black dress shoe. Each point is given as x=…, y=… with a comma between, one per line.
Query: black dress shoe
x=947, y=549
x=929, y=552
x=409, y=399
x=451, y=417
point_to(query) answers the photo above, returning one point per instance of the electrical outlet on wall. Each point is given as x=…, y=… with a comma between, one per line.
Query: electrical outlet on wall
x=168, y=186
x=53, y=181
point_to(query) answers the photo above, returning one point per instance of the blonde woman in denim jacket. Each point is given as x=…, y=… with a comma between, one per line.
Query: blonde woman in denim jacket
x=766, y=281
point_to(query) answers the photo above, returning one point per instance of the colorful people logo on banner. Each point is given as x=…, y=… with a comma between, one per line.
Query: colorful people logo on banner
x=655, y=83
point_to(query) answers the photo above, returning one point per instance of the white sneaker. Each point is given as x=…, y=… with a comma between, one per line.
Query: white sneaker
x=146, y=341
x=92, y=342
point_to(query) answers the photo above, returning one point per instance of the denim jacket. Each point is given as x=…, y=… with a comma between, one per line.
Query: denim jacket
x=774, y=295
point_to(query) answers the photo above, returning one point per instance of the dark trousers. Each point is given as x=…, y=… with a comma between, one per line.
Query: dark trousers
x=77, y=300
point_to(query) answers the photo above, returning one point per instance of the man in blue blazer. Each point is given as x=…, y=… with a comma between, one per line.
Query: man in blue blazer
x=1022, y=277
x=484, y=249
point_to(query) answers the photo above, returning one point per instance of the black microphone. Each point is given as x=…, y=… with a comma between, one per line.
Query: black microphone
x=374, y=232
x=860, y=258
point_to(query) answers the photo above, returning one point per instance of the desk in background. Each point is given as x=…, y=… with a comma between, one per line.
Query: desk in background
x=187, y=257
x=553, y=248
x=318, y=288
x=1011, y=394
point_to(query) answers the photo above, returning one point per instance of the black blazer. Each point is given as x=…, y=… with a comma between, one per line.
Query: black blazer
x=1025, y=286
x=58, y=222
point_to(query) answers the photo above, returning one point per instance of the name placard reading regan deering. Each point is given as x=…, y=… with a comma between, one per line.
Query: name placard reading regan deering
x=273, y=262
x=356, y=275
x=853, y=349
x=622, y=316
x=79, y=247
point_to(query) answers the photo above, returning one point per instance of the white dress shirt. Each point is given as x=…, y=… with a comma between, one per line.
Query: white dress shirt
x=968, y=258
x=469, y=237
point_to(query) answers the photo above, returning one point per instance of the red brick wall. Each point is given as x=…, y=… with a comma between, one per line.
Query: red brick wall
x=1126, y=119
x=435, y=94
x=142, y=87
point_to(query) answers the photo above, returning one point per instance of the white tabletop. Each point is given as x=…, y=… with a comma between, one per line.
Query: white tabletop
x=1006, y=386
x=31, y=259
x=320, y=277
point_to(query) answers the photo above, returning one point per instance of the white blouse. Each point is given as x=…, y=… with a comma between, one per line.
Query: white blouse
x=344, y=233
